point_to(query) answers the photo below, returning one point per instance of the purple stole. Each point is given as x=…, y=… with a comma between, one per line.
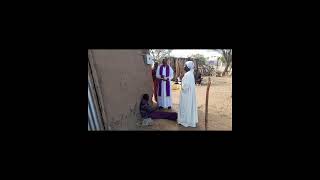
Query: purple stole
x=167, y=82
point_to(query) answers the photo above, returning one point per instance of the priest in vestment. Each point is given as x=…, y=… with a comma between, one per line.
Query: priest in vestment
x=164, y=75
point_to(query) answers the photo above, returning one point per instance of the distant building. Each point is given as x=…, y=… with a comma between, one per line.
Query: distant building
x=212, y=63
x=216, y=63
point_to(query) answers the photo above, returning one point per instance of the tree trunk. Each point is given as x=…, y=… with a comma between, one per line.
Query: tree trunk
x=226, y=69
x=197, y=66
x=230, y=69
x=217, y=63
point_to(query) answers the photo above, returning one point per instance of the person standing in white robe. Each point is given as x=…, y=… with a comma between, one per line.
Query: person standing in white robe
x=188, y=114
x=164, y=92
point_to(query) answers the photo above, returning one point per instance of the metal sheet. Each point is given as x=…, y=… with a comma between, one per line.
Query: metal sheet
x=94, y=122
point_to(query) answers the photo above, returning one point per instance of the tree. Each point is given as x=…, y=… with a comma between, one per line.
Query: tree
x=222, y=60
x=201, y=60
x=227, y=56
x=159, y=54
x=202, y=63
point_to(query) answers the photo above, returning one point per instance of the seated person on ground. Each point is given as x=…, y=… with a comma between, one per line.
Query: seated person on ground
x=145, y=108
x=147, y=112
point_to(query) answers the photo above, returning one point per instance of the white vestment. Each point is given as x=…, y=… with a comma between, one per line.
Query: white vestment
x=188, y=113
x=164, y=100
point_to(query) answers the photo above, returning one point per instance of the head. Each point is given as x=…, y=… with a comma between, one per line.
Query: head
x=145, y=97
x=155, y=66
x=188, y=66
x=164, y=61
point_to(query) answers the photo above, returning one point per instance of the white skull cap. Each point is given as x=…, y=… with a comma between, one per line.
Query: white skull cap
x=190, y=64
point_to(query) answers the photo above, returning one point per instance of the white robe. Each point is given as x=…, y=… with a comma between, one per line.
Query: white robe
x=188, y=114
x=164, y=100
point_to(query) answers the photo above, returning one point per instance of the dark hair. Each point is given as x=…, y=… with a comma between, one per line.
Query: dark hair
x=145, y=97
x=155, y=65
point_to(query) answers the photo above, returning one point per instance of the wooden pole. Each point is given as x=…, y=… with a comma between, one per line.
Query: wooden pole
x=207, y=100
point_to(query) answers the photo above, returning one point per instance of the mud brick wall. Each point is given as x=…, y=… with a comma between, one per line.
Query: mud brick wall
x=123, y=77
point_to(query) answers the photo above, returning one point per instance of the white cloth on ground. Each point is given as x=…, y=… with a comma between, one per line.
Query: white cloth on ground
x=147, y=122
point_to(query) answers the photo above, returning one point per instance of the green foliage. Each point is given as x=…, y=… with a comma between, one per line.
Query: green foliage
x=200, y=59
x=222, y=59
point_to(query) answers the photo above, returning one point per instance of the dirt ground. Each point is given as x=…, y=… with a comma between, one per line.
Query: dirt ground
x=219, y=108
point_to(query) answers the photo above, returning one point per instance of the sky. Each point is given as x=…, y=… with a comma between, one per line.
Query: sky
x=184, y=53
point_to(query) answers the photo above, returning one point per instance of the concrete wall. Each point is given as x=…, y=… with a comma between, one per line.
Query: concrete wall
x=123, y=77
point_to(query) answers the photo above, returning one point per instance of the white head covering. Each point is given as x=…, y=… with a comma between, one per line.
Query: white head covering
x=190, y=65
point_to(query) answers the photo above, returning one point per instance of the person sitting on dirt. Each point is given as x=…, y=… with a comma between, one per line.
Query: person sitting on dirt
x=148, y=113
x=146, y=110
